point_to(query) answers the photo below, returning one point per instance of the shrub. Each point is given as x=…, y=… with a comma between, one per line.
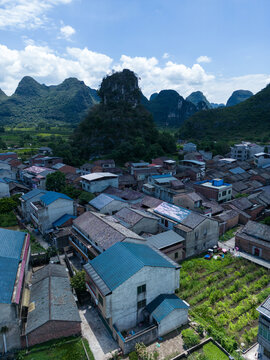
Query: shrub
x=133, y=356
x=190, y=338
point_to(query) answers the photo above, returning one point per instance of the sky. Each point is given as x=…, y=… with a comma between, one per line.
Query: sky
x=215, y=46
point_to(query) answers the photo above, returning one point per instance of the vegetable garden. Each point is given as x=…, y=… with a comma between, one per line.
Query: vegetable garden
x=223, y=297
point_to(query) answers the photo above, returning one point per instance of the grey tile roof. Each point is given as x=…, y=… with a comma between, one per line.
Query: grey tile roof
x=126, y=194
x=257, y=230
x=242, y=203
x=227, y=215
x=103, y=231
x=52, y=299
x=162, y=240
x=133, y=216
x=193, y=220
x=264, y=308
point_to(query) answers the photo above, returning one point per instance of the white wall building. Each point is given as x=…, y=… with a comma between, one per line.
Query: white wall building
x=4, y=189
x=98, y=182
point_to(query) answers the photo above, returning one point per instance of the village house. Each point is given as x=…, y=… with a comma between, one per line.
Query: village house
x=93, y=233
x=35, y=176
x=128, y=195
x=4, y=188
x=98, y=182
x=136, y=220
x=264, y=330
x=43, y=208
x=254, y=239
x=53, y=312
x=105, y=164
x=262, y=160
x=245, y=150
x=169, y=242
x=164, y=187
x=200, y=232
x=8, y=155
x=124, y=282
x=106, y=204
x=214, y=189
x=45, y=150
x=228, y=219
x=195, y=167
x=86, y=168
x=189, y=147
x=14, y=260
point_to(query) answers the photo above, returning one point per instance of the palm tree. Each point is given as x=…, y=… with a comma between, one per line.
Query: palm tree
x=4, y=330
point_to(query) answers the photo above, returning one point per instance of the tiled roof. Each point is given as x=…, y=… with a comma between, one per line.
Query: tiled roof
x=63, y=219
x=242, y=203
x=264, y=308
x=116, y=265
x=102, y=230
x=164, y=304
x=165, y=239
x=257, y=230
x=11, y=243
x=98, y=176
x=52, y=297
x=126, y=194
x=133, y=216
x=237, y=170
x=51, y=196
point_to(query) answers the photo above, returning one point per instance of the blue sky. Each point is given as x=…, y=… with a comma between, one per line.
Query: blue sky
x=216, y=46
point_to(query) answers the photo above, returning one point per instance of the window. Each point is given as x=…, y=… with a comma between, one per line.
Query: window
x=100, y=299
x=141, y=304
x=166, y=223
x=264, y=332
x=196, y=235
x=229, y=191
x=205, y=232
x=176, y=255
x=224, y=193
x=141, y=289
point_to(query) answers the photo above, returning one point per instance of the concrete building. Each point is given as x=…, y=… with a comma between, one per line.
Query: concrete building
x=43, y=208
x=105, y=164
x=170, y=243
x=254, y=239
x=137, y=220
x=200, y=232
x=35, y=176
x=107, y=204
x=98, y=182
x=8, y=155
x=215, y=189
x=245, y=150
x=189, y=147
x=4, y=189
x=262, y=160
x=45, y=150
x=164, y=187
x=53, y=312
x=124, y=283
x=14, y=260
x=264, y=330
x=93, y=233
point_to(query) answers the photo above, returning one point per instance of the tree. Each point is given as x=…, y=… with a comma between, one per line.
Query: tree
x=190, y=338
x=4, y=330
x=78, y=281
x=55, y=181
x=85, y=197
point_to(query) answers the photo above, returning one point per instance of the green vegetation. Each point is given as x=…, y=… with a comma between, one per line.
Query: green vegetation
x=64, y=349
x=190, y=338
x=7, y=207
x=119, y=127
x=209, y=351
x=232, y=123
x=78, y=281
x=239, y=195
x=224, y=295
x=33, y=102
x=266, y=221
x=35, y=245
x=228, y=234
x=55, y=181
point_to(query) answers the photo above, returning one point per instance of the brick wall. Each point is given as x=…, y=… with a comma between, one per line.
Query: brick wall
x=247, y=246
x=53, y=330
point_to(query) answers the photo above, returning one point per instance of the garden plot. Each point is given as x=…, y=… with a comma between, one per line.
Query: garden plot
x=224, y=295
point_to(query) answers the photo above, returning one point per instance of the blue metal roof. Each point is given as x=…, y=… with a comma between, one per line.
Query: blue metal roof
x=8, y=153
x=237, y=170
x=161, y=176
x=173, y=212
x=63, y=219
x=11, y=243
x=122, y=260
x=163, y=305
x=32, y=193
x=51, y=196
x=100, y=201
x=2, y=181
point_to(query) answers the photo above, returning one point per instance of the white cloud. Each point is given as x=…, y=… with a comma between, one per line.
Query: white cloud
x=204, y=59
x=67, y=31
x=26, y=13
x=165, y=55
x=49, y=67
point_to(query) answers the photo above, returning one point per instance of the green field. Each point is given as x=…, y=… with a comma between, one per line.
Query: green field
x=223, y=297
x=64, y=349
x=209, y=351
